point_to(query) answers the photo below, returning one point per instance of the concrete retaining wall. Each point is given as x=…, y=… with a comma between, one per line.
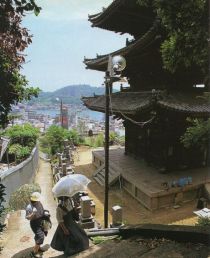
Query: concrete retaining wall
x=22, y=174
x=179, y=233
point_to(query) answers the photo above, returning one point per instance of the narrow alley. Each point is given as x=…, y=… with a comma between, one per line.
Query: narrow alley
x=18, y=239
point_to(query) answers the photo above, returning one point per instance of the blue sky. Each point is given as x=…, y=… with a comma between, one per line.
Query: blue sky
x=62, y=36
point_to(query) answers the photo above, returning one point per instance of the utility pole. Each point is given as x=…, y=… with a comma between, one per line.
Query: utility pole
x=115, y=64
x=106, y=195
x=208, y=87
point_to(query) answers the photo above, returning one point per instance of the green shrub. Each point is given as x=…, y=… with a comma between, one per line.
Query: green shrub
x=99, y=239
x=22, y=140
x=52, y=141
x=203, y=221
x=95, y=141
x=197, y=134
x=21, y=197
x=26, y=134
x=99, y=140
x=20, y=152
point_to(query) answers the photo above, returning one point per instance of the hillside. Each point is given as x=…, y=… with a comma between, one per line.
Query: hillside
x=70, y=94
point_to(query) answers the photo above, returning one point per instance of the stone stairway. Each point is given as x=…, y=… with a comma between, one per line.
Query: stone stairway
x=99, y=175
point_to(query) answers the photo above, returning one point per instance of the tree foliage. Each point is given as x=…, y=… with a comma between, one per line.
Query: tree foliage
x=197, y=135
x=25, y=135
x=22, y=140
x=20, y=152
x=21, y=197
x=98, y=140
x=203, y=221
x=52, y=141
x=185, y=30
x=14, y=39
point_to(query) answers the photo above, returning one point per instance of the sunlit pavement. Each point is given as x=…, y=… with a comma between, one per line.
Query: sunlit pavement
x=18, y=238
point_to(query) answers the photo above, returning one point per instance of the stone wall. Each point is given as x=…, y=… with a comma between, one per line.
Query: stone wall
x=19, y=175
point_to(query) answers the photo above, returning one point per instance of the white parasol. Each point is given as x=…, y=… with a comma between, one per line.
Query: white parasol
x=70, y=185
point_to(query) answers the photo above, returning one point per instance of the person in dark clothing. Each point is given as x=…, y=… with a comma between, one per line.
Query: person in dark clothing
x=69, y=237
x=35, y=213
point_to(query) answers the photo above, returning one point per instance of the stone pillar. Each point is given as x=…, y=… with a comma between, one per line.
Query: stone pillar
x=87, y=220
x=93, y=208
x=65, y=143
x=64, y=170
x=116, y=216
x=86, y=206
x=63, y=160
x=60, y=159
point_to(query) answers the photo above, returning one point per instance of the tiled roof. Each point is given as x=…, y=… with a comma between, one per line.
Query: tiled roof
x=136, y=47
x=124, y=16
x=126, y=102
x=186, y=103
x=134, y=102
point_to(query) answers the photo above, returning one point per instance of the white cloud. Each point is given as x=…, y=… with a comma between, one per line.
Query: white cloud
x=66, y=10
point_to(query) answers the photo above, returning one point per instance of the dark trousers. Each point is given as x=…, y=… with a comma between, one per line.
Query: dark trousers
x=36, y=226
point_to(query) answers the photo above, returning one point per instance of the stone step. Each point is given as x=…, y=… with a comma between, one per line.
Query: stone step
x=99, y=181
x=101, y=177
x=100, y=174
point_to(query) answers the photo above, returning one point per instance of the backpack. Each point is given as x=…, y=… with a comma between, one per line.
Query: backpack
x=46, y=221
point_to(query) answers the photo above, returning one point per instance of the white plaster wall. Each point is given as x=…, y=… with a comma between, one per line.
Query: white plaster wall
x=22, y=174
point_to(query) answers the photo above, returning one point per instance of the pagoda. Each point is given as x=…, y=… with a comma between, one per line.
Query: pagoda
x=157, y=104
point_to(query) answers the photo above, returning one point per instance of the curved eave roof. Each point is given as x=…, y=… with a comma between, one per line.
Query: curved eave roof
x=186, y=103
x=124, y=16
x=128, y=103
x=136, y=47
x=136, y=102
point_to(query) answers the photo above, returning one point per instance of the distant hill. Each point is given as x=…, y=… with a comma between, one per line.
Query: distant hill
x=69, y=94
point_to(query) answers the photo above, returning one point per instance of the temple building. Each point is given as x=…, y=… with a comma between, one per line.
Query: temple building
x=157, y=104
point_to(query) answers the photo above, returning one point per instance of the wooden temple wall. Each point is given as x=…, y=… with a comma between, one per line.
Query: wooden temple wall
x=160, y=145
x=135, y=140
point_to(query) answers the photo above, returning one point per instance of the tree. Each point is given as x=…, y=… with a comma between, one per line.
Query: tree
x=14, y=39
x=26, y=134
x=22, y=140
x=52, y=141
x=12, y=117
x=184, y=46
x=197, y=136
x=185, y=32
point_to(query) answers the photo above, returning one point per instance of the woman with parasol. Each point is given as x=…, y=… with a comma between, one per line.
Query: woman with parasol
x=69, y=237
